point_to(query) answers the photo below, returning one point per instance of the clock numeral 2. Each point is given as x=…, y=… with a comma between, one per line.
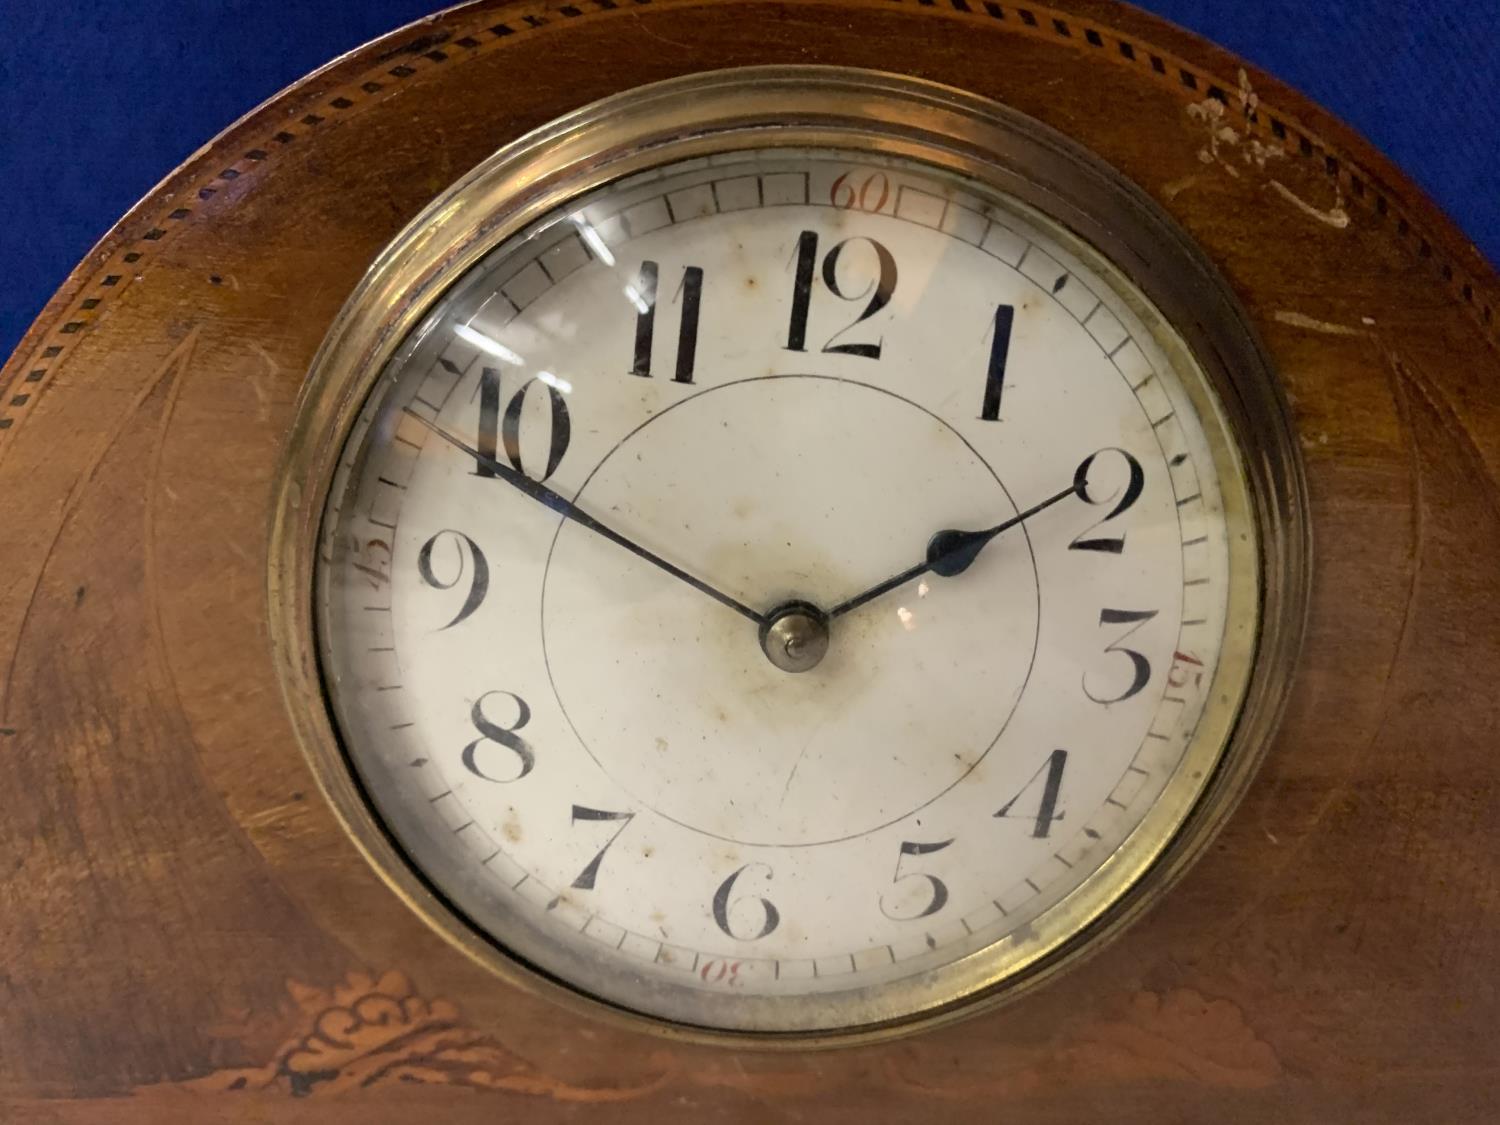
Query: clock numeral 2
x=1114, y=545
x=492, y=732
x=504, y=430
x=691, y=293
x=1046, y=809
x=879, y=292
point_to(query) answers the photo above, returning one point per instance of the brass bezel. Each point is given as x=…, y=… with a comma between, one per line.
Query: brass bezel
x=813, y=107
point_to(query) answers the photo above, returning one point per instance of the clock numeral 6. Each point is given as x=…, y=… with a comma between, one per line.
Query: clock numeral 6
x=479, y=577
x=491, y=732
x=770, y=916
x=939, y=889
x=496, y=430
x=879, y=291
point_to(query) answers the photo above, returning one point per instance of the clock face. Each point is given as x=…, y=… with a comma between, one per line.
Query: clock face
x=772, y=591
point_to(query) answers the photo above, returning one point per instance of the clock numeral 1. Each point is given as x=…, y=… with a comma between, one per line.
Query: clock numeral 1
x=504, y=430
x=1046, y=809
x=586, y=877
x=492, y=732
x=939, y=897
x=994, y=381
x=879, y=290
x=645, y=321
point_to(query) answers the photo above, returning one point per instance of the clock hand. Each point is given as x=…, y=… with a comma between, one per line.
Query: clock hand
x=565, y=508
x=950, y=552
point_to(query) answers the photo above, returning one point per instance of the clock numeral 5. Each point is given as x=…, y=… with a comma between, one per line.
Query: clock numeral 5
x=1046, y=808
x=644, y=296
x=770, y=916
x=879, y=291
x=497, y=429
x=479, y=578
x=939, y=897
x=492, y=732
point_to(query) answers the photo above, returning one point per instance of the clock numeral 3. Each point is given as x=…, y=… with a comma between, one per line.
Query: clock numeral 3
x=492, y=732
x=691, y=294
x=497, y=429
x=479, y=577
x=879, y=291
x=1046, y=808
x=770, y=916
x=586, y=877
x=1127, y=497
x=1142, y=667
x=939, y=889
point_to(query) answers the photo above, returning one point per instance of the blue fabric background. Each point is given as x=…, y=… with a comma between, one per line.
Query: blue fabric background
x=99, y=100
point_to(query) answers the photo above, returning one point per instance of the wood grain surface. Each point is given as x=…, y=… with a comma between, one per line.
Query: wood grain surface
x=186, y=933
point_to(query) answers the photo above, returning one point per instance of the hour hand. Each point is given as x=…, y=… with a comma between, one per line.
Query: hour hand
x=568, y=510
x=951, y=552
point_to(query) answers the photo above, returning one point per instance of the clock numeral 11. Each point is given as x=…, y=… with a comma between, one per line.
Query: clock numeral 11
x=644, y=294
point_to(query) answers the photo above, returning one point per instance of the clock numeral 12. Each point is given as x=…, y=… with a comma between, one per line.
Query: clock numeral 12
x=879, y=291
x=691, y=293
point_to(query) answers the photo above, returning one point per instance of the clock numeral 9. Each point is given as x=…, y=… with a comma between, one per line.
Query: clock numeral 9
x=770, y=916
x=1046, y=808
x=1128, y=495
x=939, y=889
x=479, y=578
x=1140, y=665
x=879, y=291
x=497, y=430
x=492, y=732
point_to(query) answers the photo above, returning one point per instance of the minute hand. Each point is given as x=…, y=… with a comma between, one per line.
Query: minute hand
x=949, y=552
x=565, y=508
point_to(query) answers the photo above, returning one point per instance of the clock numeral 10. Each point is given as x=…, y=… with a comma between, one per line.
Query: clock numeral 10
x=644, y=295
x=504, y=430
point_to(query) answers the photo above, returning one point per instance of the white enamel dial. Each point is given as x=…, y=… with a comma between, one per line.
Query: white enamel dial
x=585, y=487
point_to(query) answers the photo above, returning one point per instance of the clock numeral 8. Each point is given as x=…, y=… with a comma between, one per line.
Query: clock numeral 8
x=770, y=916
x=492, y=732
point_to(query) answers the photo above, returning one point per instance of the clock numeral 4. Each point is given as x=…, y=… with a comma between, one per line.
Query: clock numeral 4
x=878, y=290
x=497, y=429
x=939, y=897
x=1046, y=806
x=770, y=916
x=644, y=294
x=479, y=572
x=481, y=761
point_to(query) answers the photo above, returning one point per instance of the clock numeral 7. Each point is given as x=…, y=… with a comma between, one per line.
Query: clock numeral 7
x=644, y=296
x=497, y=430
x=879, y=290
x=586, y=877
x=939, y=889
